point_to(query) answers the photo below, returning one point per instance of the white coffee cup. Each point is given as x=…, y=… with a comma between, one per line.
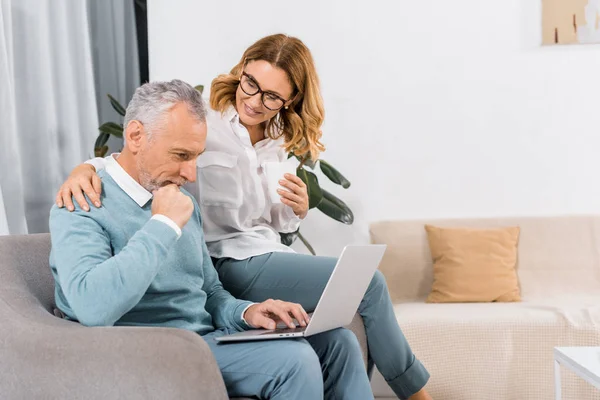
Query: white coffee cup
x=275, y=171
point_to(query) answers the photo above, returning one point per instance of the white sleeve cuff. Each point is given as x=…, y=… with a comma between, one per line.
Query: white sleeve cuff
x=168, y=221
x=244, y=312
x=292, y=217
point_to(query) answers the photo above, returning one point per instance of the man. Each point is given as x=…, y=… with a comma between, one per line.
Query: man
x=141, y=260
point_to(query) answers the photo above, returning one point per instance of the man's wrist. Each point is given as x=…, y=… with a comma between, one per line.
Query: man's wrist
x=244, y=314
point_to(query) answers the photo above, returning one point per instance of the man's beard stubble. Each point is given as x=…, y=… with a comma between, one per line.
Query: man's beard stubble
x=151, y=184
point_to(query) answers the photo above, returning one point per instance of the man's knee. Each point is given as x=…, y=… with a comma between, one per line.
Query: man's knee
x=303, y=362
x=347, y=338
x=342, y=342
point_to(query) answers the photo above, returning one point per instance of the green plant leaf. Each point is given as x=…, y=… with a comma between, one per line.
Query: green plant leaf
x=288, y=238
x=199, y=88
x=100, y=151
x=333, y=174
x=336, y=208
x=112, y=128
x=307, y=161
x=116, y=105
x=101, y=140
x=315, y=193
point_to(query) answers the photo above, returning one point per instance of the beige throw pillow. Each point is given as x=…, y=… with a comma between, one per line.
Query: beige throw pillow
x=473, y=265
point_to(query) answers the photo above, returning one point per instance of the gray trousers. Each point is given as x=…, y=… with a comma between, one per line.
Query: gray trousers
x=300, y=278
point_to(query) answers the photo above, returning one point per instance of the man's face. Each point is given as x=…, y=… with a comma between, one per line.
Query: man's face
x=169, y=156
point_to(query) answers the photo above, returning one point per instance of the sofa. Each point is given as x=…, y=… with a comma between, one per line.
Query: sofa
x=499, y=351
x=45, y=357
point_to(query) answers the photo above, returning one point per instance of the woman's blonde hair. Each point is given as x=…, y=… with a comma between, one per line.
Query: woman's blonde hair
x=300, y=123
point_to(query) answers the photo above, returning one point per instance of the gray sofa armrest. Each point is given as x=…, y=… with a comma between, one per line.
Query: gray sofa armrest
x=44, y=357
x=55, y=359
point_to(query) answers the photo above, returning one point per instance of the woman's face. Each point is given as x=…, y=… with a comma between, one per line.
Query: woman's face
x=260, y=76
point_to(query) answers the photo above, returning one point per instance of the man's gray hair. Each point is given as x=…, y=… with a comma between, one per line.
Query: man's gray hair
x=151, y=101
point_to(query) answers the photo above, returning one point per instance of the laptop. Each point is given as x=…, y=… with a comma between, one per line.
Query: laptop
x=338, y=303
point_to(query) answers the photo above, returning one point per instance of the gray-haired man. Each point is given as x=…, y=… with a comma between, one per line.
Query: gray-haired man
x=141, y=259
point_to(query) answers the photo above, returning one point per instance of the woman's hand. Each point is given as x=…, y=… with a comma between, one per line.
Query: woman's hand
x=298, y=198
x=83, y=179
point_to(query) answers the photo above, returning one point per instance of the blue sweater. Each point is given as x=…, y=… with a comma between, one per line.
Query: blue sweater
x=115, y=266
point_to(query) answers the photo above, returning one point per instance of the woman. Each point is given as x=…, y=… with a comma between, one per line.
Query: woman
x=268, y=105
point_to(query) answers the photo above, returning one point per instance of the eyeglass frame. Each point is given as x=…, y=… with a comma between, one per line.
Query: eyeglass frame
x=262, y=93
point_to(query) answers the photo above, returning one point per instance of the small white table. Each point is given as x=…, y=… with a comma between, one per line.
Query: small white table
x=584, y=361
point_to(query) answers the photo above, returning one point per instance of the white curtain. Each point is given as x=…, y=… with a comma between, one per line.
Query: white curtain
x=115, y=56
x=3, y=221
x=49, y=112
x=10, y=162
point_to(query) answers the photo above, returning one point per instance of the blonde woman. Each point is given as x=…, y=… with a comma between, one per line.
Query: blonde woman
x=268, y=105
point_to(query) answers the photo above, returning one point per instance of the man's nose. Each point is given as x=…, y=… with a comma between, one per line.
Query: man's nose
x=188, y=170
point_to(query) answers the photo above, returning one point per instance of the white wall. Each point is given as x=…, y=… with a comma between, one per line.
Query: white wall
x=433, y=108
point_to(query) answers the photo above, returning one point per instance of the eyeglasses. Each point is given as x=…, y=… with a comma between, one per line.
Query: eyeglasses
x=270, y=100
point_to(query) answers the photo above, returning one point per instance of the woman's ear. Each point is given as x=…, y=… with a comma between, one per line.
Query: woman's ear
x=134, y=136
x=291, y=101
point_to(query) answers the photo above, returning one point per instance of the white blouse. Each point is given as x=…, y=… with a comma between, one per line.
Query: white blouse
x=231, y=188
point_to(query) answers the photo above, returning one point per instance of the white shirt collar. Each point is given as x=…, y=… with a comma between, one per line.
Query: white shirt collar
x=129, y=185
x=231, y=114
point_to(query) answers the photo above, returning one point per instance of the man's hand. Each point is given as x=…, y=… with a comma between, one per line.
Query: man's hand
x=170, y=202
x=268, y=313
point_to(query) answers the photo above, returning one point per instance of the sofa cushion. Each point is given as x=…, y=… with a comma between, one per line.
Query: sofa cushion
x=555, y=254
x=473, y=265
